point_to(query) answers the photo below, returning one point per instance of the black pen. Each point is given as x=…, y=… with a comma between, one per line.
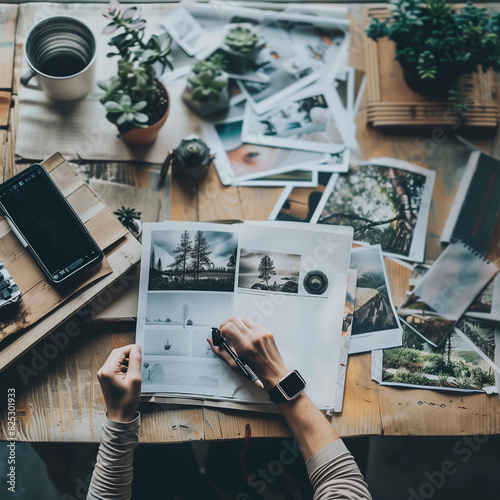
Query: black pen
x=248, y=373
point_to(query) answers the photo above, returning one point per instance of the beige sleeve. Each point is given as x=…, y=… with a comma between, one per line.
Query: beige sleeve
x=112, y=477
x=334, y=474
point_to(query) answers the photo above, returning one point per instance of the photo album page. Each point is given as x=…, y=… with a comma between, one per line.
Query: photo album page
x=286, y=276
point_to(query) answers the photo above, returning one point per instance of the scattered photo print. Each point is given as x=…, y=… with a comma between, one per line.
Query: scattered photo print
x=299, y=204
x=182, y=311
x=201, y=348
x=381, y=203
x=454, y=364
x=373, y=309
x=286, y=69
x=271, y=271
x=171, y=373
x=192, y=260
x=310, y=123
x=166, y=343
x=481, y=334
x=237, y=161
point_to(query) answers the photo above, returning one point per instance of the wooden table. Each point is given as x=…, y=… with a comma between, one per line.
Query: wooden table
x=61, y=399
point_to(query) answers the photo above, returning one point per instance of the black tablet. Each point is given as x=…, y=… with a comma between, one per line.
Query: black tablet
x=47, y=225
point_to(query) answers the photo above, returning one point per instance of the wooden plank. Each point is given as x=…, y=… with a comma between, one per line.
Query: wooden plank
x=416, y=412
x=5, y=101
x=3, y=152
x=121, y=260
x=8, y=19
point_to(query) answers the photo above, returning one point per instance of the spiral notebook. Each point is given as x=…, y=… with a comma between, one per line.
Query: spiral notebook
x=447, y=290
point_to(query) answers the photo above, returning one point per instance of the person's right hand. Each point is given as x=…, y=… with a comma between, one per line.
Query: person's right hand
x=255, y=346
x=120, y=379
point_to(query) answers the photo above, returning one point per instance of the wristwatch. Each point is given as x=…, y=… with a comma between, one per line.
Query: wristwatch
x=287, y=388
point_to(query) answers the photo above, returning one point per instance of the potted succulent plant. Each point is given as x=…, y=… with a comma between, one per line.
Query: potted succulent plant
x=241, y=46
x=207, y=89
x=436, y=44
x=135, y=101
x=130, y=219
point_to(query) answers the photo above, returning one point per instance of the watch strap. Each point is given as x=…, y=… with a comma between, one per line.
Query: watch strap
x=275, y=395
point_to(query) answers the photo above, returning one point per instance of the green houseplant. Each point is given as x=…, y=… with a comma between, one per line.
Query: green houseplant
x=241, y=47
x=207, y=89
x=437, y=44
x=131, y=219
x=135, y=101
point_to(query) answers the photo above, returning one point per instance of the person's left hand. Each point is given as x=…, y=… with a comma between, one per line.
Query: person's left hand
x=120, y=379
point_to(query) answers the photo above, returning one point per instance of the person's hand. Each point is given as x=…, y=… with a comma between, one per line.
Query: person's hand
x=255, y=346
x=120, y=379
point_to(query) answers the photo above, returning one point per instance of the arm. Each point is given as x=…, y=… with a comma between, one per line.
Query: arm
x=332, y=469
x=120, y=379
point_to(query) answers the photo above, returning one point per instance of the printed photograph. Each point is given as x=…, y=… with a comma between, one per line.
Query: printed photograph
x=201, y=348
x=484, y=301
x=239, y=161
x=186, y=31
x=286, y=68
x=382, y=204
x=309, y=123
x=424, y=320
x=171, y=343
x=454, y=364
x=192, y=260
x=299, y=204
x=373, y=308
x=271, y=271
x=320, y=45
x=172, y=373
x=185, y=310
x=481, y=334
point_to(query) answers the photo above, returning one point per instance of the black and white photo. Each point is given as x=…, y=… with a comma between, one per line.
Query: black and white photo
x=270, y=271
x=174, y=342
x=192, y=260
x=184, y=310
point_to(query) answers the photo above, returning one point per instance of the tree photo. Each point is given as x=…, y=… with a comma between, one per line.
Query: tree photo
x=270, y=271
x=192, y=260
x=381, y=203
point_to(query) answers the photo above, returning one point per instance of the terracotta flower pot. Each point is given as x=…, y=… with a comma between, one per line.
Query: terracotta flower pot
x=143, y=136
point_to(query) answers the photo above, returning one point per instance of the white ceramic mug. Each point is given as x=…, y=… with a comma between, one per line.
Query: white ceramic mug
x=61, y=52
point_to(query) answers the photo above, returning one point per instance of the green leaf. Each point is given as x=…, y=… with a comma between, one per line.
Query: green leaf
x=141, y=117
x=113, y=107
x=139, y=105
x=122, y=119
x=125, y=100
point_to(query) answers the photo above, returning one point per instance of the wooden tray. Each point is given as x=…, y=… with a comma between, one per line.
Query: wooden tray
x=43, y=308
x=391, y=103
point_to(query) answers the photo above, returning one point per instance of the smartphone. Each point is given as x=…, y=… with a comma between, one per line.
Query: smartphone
x=47, y=225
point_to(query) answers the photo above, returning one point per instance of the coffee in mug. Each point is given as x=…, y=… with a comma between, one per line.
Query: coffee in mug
x=60, y=52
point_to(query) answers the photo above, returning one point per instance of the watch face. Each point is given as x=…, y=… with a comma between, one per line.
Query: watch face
x=292, y=384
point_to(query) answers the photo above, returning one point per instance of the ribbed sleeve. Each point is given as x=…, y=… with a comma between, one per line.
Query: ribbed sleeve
x=112, y=477
x=334, y=474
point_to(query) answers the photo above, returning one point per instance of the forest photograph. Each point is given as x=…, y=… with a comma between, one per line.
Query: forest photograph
x=192, y=260
x=271, y=271
x=373, y=310
x=381, y=203
x=454, y=364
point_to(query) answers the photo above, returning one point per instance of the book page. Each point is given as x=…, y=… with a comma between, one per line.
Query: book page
x=291, y=278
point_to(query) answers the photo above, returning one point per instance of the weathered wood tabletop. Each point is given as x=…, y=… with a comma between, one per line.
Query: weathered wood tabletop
x=58, y=397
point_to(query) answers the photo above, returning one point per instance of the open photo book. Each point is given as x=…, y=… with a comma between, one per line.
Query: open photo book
x=289, y=277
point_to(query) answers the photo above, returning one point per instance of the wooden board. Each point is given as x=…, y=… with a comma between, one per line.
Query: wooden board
x=5, y=100
x=391, y=103
x=42, y=307
x=8, y=19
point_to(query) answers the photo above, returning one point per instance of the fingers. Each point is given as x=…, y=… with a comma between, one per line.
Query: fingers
x=222, y=354
x=134, y=362
x=119, y=354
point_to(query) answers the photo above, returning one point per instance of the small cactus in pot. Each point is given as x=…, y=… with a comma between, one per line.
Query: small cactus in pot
x=241, y=47
x=207, y=89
